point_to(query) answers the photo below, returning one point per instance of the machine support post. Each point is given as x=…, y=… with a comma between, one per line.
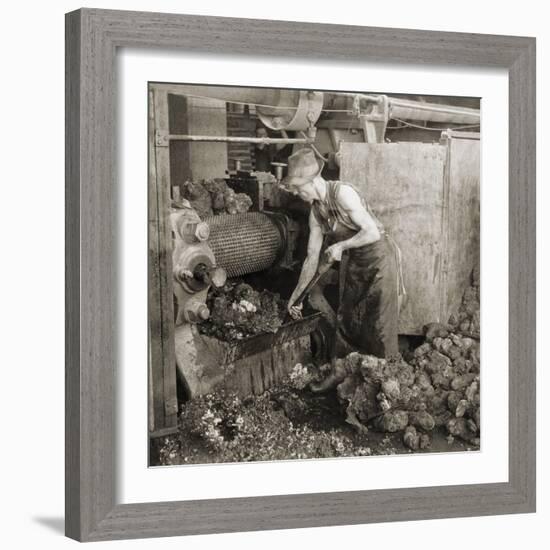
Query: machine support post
x=163, y=405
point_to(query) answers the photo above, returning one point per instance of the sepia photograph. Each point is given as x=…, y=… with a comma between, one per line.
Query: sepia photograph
x=314, y=274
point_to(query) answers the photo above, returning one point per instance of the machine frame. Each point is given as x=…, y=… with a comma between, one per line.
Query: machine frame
x=92, y=38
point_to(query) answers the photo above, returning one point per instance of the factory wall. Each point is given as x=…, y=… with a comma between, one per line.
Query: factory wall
x=197, y=161
x=427, y=197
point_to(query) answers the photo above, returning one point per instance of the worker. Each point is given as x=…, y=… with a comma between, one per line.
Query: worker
x=342, y=226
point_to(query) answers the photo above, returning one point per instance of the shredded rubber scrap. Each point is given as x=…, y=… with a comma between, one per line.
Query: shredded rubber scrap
x=210, y=197
x=238, y=311
x=439, y=385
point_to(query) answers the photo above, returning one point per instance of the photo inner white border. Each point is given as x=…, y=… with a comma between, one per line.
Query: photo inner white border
x=138, y=483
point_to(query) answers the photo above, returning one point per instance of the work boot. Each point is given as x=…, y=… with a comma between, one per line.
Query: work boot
x=331, y=381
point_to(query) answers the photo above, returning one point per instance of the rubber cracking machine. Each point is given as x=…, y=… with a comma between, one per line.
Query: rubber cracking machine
x=206, y=252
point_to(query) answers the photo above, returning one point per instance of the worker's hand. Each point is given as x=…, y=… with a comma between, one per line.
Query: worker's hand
x=334, y=252
x=295, y=311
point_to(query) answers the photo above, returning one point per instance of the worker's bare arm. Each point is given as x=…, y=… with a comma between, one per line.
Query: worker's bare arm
x=315, y=241
x=368, y=231
x=312, y=260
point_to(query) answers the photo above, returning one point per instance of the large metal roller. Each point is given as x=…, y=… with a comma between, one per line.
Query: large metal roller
x=245, y=243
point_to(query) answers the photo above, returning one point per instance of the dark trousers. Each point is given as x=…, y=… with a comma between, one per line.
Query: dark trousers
x=369, y=307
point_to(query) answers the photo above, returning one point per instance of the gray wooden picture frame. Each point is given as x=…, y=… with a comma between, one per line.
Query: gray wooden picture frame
x=92, y=39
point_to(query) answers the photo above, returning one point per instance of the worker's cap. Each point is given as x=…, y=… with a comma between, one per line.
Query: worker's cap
x=303, y=166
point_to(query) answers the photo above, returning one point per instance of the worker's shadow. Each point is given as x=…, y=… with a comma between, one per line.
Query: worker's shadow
x=54, y=524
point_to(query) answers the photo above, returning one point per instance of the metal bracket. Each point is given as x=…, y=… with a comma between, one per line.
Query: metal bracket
x=161, y=138
x=375, y=120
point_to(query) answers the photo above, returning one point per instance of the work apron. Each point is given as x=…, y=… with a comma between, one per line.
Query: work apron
x=370, y=285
